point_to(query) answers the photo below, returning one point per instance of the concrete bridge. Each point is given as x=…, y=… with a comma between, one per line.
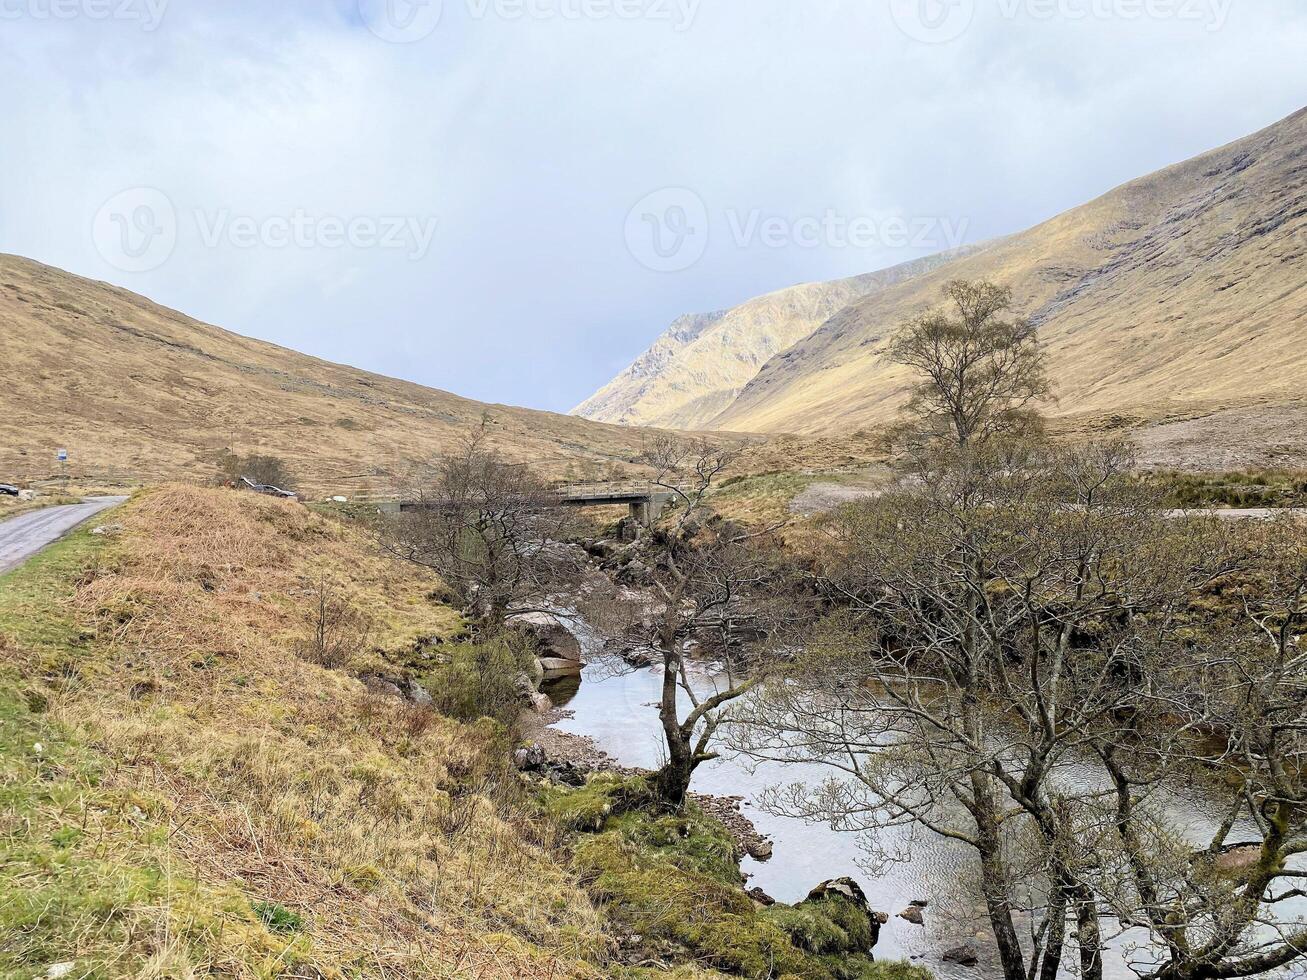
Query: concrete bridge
x=645, y=500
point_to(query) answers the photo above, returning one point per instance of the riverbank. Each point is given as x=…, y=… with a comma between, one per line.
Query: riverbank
x=581, y=753
x=194, y=786
x=669, y=884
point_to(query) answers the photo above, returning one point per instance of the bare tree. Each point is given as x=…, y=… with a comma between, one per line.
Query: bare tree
x=979, y=372
x=338, y=630
x=717, y=585
x=1231, y=712
x=493, y=531
x=1005, y=606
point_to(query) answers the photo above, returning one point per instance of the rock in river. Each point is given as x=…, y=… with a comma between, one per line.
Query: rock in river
x=913, y=914
x=961, y=955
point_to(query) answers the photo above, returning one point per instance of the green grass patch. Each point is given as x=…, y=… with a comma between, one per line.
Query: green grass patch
x=278, y=918
x=86, y=875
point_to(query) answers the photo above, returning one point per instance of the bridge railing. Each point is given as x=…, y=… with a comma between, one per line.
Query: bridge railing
x=630, y=488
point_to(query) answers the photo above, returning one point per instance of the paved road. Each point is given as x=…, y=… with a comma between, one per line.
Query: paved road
x=23, y=536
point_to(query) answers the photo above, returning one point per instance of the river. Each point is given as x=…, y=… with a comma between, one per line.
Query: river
x=618, y=710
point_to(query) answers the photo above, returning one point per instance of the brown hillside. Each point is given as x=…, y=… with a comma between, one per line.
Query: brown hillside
x=136, y=391
x=1176, y=296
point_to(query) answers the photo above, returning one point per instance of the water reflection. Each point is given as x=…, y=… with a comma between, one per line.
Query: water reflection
x=561, y=690
x=617, y=707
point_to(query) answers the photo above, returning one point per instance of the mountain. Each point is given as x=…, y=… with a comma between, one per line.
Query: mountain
x=135, y=391
x=698, y=367
x=1178, y=297
x=1184, y=292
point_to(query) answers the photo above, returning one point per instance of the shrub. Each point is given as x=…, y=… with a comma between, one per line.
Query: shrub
x=271, y=471
x=480, y=679
x=338, y=631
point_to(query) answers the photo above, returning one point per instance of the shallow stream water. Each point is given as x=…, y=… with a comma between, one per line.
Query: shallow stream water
x=617, y=708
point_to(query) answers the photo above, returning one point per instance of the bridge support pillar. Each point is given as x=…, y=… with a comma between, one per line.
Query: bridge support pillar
x=639, y=510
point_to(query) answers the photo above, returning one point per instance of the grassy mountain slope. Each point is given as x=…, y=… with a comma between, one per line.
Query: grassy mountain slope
x=697, y=368
x=202, y=774
x=1177, y=295
x=135, y=390
x=187, y=793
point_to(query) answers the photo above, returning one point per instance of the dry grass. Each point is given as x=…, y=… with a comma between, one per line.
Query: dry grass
x=372, y=838
x=140, y=393
x=1174, y=296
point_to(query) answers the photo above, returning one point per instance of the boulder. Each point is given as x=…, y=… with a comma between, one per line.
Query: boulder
x=913, y=914
x=845, y=887
x=551, y=667
x=526, y=690
x=961, y=955
x=417, y=693
x=530, y=758
x=553, y=640
x=833, y=920
x=1234, y=858
x=541, y=703
x=381, y=686
x=760, y=896
x=603, y=548
x=760, y=850
x=635, y=572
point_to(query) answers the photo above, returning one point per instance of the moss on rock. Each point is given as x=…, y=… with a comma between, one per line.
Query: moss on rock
x=671, y=884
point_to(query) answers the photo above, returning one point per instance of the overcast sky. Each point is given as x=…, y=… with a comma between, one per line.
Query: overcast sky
x=511, y=199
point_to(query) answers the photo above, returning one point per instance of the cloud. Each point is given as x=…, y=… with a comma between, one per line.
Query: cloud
x=526, y=130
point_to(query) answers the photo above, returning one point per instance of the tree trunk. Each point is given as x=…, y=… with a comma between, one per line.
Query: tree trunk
x=998, y=902
x=672, y=781
x=1091, y=951
x=1052, y=958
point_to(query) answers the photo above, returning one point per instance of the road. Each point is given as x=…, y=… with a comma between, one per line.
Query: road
x=23, y=536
